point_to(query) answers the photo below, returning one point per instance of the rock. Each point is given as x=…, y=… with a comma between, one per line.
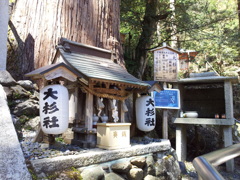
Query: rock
x=29, y=108
x=33, y=123
x=160, y=169
x=168, y=167
x=26, y=84
x=93, y=173
x=6, y=79
x=149, y=169
x=136, y=174
x=150, y=177
x=35, y=95
x=112, y=176
x=121, y=167
x=20, y=92
x=182, y=167
x=8, y=92
x=106, y=168
x=139, y=161
x=15, y=119
x=68, y=135
x=42, y=175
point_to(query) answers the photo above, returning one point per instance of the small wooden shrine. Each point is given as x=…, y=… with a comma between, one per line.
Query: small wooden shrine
x=97, y=87
x=211, y=97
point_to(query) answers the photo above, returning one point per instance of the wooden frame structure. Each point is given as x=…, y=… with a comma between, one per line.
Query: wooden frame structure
x=225, y=103
x=93, y=80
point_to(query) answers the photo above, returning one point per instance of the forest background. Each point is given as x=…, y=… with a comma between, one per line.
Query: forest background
x=210, y=27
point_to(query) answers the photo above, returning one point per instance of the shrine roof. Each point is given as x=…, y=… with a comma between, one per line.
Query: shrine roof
x=92, y=66
x=90, y=63
x=48, y=68
x=210, y=79
x=165, y=47
x=154, y=86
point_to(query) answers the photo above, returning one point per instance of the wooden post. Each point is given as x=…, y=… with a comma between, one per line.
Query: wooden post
x=181, y=142
x=165, y=119
x=71, y=105
x=133, y=124
x=121, y=113
x=76, y=105
x=227, y=130
x=165, y=124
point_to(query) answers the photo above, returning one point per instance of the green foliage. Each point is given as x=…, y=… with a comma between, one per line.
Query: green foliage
x=59, y=139
x=16, y=95
x=34, y=176
x=73, y=173
x=138, y=23
x=207, y=26
x=23, y=119
x=53, y=176
x=213, y=32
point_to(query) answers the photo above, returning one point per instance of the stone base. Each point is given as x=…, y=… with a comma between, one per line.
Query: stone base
x=96, y=156
x=112, y=147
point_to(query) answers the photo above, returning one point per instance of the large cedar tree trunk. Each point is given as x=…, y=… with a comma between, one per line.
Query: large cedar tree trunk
x=37, y=26
x=149, y=26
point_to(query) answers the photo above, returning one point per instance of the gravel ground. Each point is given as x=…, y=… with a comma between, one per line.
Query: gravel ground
x=36, y=150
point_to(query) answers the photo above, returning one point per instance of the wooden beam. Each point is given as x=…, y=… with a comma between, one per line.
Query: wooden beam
x=60, y=72
x=112, y=82
x=112, y=91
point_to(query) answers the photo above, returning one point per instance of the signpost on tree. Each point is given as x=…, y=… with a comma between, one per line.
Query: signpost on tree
x=166, y=70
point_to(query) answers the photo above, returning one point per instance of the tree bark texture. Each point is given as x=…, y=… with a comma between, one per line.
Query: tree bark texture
x=238, y=12
x=149, y=27
x=3, y=33
x=38, y=25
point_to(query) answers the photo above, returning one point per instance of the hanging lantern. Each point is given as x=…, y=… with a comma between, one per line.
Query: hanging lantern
x=54, y=110
x=145, y=113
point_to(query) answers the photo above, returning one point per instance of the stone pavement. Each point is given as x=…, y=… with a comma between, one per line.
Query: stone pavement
x=12, y=162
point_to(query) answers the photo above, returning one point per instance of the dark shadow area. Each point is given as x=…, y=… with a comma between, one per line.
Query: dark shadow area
x=20, y=58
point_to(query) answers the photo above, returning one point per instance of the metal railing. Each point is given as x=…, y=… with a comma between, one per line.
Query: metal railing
x=205, y=164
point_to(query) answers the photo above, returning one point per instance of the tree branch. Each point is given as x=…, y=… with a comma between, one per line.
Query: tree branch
x=161, y=16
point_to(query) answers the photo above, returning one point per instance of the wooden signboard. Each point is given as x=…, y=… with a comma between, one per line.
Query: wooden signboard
x=165, y=65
